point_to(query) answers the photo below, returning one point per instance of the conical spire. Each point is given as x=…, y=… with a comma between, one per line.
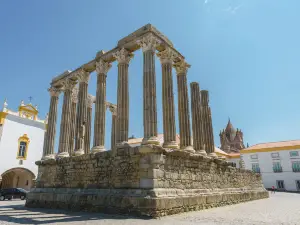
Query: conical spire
x=229, y=125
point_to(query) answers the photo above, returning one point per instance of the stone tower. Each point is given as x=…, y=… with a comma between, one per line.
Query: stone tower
x=231, y=139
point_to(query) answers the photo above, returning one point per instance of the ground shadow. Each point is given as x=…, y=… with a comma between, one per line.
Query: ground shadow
x=20, y=214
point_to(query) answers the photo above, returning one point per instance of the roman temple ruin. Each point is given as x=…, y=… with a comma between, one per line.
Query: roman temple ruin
x=150, y=179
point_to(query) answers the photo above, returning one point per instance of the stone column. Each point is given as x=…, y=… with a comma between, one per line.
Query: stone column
x=65, y=124
x=123, y=57
x=113, y=110
x=102, y=68
x=51, y=127
x=183, y=106
x=73, y=119
x=166, y=58
x=196, y=119
x=207, y=125
x=81, y=116
x=148, y=44
x=87, y=137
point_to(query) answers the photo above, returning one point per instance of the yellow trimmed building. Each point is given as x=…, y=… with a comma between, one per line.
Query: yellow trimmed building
x=21, y=144
x=277, y=162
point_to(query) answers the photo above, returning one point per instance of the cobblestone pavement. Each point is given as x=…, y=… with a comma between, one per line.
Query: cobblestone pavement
x=280, y=208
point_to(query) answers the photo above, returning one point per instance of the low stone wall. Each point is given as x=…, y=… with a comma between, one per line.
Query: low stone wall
x=145, y=180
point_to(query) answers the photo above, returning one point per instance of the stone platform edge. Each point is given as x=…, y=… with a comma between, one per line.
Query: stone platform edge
x=140, y=202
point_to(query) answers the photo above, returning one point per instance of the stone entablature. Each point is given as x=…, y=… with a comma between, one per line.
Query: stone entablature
x=153, y=182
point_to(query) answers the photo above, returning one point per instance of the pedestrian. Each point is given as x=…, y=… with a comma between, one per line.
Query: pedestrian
x=273, y=189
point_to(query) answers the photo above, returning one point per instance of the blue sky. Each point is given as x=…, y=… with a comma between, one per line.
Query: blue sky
x=245, y=52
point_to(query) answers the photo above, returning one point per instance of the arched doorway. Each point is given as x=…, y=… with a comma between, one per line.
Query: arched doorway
x=18, y=178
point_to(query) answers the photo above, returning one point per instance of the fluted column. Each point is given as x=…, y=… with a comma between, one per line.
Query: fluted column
x=87, y=137
x=73, y=119
x=51, y=127
x=183, y=106
x=148, y=44
x=123, y=57
x=81, y=116
x=102, y=68
x=196, y=119
x=207, y=125
x=65, y=124
x=166, y=58
x=113, y=110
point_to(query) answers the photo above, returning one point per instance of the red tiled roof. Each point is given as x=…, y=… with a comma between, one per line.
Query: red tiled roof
x=278, y=144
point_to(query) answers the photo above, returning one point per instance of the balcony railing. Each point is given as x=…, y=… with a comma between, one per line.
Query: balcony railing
x=296, y=170
x=277, y=170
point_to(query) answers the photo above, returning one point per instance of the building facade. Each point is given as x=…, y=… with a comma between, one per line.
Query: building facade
x=21, y=145
x=277, y=162
x=231, y=139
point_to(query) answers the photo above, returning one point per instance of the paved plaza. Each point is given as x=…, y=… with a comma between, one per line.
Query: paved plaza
x=280, y=208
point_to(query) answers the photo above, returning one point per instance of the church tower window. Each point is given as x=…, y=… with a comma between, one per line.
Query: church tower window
x=23, y=147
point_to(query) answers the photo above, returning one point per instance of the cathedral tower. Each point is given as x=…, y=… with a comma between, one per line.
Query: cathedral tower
x=231, y=139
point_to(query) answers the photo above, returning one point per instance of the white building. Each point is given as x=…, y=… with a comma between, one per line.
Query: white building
x=21, y=144
x=277, y=162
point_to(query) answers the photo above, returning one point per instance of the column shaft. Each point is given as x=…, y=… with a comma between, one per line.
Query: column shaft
x=81, y=116
x=73, y=127
x=123, y=57
x=183, y=106
x=65, y=125
x=149, y=103
x=102, y=68
x=87, y=140
x=207, y=124
x=113, y=131
x=51, y=127
x=169, y=126
x=123, y=104
x=196, y=119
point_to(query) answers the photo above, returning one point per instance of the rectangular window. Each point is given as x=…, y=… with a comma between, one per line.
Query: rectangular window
x=22, y=149
x=275, y=155
x=294, y=153
x=254, y=156
x=255, y=168
x=280, y=184
x=277, y=167
x=298, y=185
x=296, y=166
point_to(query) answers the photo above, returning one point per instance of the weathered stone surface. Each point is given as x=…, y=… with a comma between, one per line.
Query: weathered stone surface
x=153, y=183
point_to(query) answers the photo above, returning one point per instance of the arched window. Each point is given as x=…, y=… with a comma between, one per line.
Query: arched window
x=23, y=147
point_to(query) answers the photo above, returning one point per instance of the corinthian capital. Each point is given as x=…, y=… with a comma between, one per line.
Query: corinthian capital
x=181, y=67
x=83, y=76
x=90, y=101
x=149, y=43
x=167, y=55
x=112, y=108
x=54, y=91
x=123, y=56
x=68, y=85
x=102, y=67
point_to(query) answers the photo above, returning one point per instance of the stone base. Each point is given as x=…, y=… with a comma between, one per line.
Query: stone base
x=143, y=180
x=141, y=202
x=62, y=155
x=46, y=157
x=96, y=149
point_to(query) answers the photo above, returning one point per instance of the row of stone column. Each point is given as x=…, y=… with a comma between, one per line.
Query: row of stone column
x=121, y=118
x=77, y=110
x=203, y=139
